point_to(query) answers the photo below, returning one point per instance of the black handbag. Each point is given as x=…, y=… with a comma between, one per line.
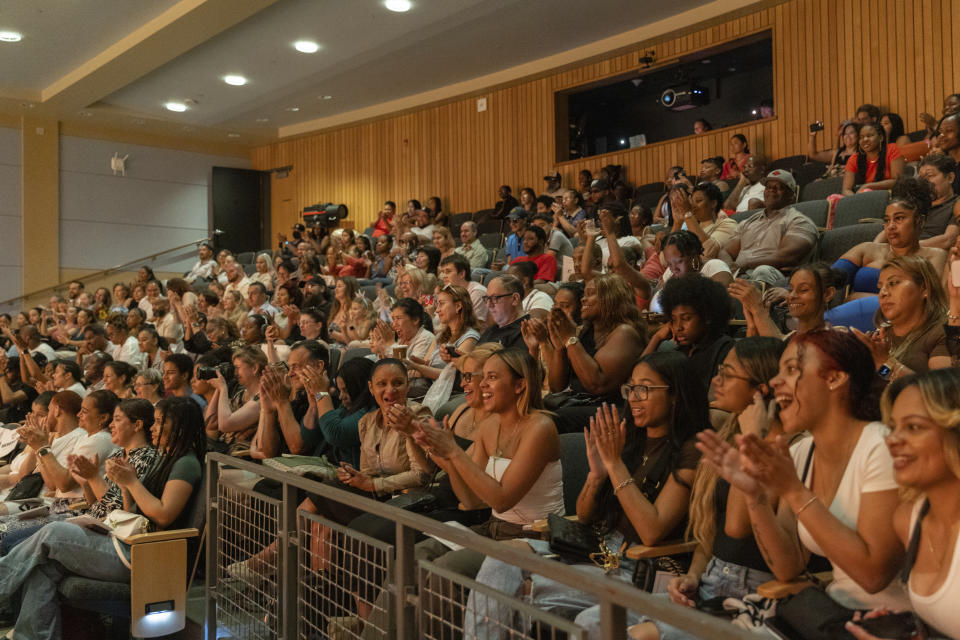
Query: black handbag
x=572, y=541
x=415, y=501
x=811, y=615
x=652, y=574
x=29, y=486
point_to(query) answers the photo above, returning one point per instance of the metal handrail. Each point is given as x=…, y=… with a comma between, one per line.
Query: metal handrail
x=616, y=597
x=102, y=272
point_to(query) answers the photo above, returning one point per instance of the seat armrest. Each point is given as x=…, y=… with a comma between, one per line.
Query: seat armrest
x=868, y=220
x=778, y=589
x=160, y=536
x=671, y=548
x=542, y=526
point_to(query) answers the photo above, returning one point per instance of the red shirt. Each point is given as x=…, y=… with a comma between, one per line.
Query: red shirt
x=546, y=265
x=893, y=152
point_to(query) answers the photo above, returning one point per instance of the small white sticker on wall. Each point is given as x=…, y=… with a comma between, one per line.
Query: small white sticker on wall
x=481, y=104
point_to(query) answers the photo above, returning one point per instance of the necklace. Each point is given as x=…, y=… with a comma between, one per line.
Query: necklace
x=498, y=450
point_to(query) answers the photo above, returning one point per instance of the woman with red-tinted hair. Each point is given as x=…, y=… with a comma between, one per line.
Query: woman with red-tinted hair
x=837, y=493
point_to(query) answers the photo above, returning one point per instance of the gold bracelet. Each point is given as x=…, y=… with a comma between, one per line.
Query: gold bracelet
x=805, y=505
x=616, y=489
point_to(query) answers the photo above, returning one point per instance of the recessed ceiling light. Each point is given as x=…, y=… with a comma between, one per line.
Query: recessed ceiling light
x=263, y=119
x=306, y=46
x=292, y=109
x=235, y=80
x=326, y=97
x=233, y=135
x=400, y=6
x=10, y=36
x=179, y=107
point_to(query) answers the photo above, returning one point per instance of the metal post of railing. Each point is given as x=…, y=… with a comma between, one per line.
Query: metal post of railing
x=213, y=484
x=289, y=560
x=613, y=620
x=404, y=614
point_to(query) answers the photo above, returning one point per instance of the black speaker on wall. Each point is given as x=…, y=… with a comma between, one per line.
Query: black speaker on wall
x=241, y=209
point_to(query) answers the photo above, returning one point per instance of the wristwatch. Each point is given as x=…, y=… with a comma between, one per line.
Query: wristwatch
x=320, y=395
x=43, y=451
x=572, y=340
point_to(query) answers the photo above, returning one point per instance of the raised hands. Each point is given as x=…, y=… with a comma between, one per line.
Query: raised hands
x=608, y=433
x=399, y=418
x=725, y=459
x=121, y=472
x=535, y=333
x=769, y=463
x=315, y=380
x=83, y=467
x=436, y=439
x=877, y=342
x=561, y=328
x=274, y=387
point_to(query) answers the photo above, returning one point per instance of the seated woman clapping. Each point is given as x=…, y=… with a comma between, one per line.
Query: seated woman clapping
x=593, y=361
x=836, y=489
x=637, y=490
x=812, y=288
x=727, y=562
x=913, y=306
x=35, y=567
x=922, y=413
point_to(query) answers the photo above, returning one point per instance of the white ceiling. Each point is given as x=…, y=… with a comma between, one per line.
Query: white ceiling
x=368, y=54
x=59, y=34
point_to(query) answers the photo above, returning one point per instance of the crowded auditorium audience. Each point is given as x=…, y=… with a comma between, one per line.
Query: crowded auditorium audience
x=777, y=390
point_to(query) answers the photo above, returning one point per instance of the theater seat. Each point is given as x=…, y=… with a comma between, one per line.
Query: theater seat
x=816, y=210
x=808, y=172
x=837, y=242
x=573, y=459
x=790, y=163
x=740, y=216
x=868, y=206
x=820, y=189
x=160, y=563
x=456, y=220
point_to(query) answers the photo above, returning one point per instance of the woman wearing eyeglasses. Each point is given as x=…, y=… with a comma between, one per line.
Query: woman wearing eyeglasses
x=637, y=490
x=727, y=562
x=455, y=312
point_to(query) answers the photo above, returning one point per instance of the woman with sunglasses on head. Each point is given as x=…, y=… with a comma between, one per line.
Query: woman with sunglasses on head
x=642, y=469
x=836, y=489
x=923, y=414
x=459, y=332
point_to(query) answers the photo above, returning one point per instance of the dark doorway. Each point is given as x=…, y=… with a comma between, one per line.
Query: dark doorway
x=241, y=205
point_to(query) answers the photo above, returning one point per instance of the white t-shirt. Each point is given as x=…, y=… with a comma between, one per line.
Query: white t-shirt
x=480, y=309
x=537, y=299
x=869, y=470
x=46, y=350
x=63, y=447
x=78, y=389
x=88, y=446
x=753, y=192
x=625, y=241
x=129, y=352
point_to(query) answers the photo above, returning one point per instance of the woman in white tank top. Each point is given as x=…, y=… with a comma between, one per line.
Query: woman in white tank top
x=923, y=413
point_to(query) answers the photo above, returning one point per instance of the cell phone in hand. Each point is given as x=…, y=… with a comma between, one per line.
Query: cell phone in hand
x=895, y=626
x=452, y=350
x=816, y=126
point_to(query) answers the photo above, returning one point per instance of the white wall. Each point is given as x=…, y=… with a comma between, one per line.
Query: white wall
x=11, y=215
x=106, y=220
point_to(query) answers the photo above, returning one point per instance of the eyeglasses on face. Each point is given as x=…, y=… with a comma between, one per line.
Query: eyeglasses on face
x=468, y=376
x=725, y=373
x=639, y=391
x=495, y=298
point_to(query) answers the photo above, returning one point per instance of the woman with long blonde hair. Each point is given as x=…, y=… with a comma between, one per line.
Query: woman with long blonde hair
x=727, y=561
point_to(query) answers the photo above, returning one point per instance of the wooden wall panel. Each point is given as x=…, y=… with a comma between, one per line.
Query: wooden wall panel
x=828, y=57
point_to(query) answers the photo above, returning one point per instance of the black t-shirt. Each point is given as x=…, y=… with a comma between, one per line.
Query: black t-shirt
x=939, y=218
x=742, y=551
x=507, y=335
x=15, y=412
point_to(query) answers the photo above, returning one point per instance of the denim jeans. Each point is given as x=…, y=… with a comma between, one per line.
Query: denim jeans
x=719, y=579
x=37, y=566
